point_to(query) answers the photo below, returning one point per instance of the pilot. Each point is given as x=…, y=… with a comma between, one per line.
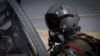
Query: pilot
x=62, y=21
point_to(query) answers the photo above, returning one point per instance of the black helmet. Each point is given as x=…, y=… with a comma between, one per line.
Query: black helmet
x=61, y=16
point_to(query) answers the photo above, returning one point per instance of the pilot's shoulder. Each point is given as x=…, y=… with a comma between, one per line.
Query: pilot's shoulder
x=82, y=35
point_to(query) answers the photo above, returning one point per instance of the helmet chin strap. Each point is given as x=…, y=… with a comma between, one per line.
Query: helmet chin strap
x=69, y=32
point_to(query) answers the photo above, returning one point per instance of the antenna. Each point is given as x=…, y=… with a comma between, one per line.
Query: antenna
x=61, y=7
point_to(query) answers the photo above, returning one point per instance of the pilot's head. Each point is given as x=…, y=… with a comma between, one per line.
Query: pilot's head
x=62, y=17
